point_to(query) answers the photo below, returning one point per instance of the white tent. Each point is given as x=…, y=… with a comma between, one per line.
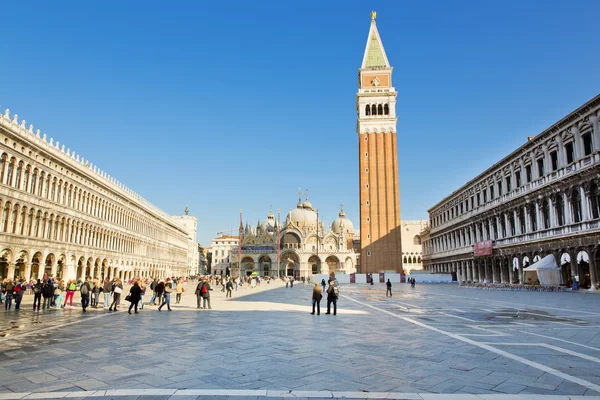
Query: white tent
x=545, y=270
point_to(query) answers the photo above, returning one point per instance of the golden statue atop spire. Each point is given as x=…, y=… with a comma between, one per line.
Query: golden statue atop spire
x=373, y=15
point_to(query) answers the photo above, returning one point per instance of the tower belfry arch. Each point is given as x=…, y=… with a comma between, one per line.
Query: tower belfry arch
x=379, y=192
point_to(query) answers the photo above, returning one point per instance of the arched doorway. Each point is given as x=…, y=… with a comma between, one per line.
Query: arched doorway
x=60, y=266
x=292, y=264
x=565, y=268
x=49, y=264
x=5, y=259
x=264, y=263
x=583, y=269
x=333, y=263
x=21, y=263
x=247, y=265
x=80, y=268
x=315, y=265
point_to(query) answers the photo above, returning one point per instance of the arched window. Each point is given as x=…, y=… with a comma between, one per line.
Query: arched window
x=532, y=218
x=522, y=221
x=26, y=183
x=53, y=190
x=595, y=201
x=380, y=110
x=33, y=181
x=40, y=184
x=419, y=260
x=546, y=214
x=2, y=167
x=560, y=210
x=576, y=205
x=404, y=260
x=367, y=110
x=18, y=175
x=417, y=240
x=373, y=109
x=9, y=171
x=386, y=109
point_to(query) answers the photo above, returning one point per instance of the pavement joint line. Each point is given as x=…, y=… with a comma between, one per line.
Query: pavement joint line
x=458, y=316
x=174, y=393
x=561, y=340
x=533, y=364
x=38, y=331
x=511, y=305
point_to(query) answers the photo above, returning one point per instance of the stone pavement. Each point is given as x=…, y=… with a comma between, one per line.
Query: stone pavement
x=434, y=339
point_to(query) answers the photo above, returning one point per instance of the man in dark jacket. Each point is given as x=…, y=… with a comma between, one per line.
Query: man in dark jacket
x=48, y=293
x=135, y=295
x=199, y=295
x=160, y=288
x=85, y=291
x=388, y=284
x=205, y=291
x=107, y=286
x=332, y=297
x=37, y=294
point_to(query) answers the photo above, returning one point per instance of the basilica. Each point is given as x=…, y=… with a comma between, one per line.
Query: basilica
x=302, y=244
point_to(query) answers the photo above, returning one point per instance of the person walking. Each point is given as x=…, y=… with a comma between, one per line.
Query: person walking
x=85, y=291
x=206, y=295
x=107, y=287
x=388, y=284
x=20, y=288
x=199, y=295
x=323, y=285
x=71, y=287
x=229, y=286
x=59, y=289
x=9, y=288
x=142, y=294
x=160, y=289
x=48, y=294
x=167, y=295
x=135, y=295
x=117, y=289
x=153, y=285
x=179, y=290
x=317, y=295
x=332, y=297
x=95, y=293
x=37, y=294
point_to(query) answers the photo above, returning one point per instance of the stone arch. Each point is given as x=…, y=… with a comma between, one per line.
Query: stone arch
x=333, y=263
x=264, y=265
x=348, y=264
x=247, y=265
x=314, y=263
x=290, y=240
x=291, y=263
x=6, y=258
x=80, y=268
x=37, y=264
x=49, y=265
x=61, y=266
x=583, y=269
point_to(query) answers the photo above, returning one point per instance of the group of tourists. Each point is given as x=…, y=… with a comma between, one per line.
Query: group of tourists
x=333, y=293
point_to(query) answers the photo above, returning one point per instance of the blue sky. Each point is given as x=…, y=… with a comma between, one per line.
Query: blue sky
x=229, y=105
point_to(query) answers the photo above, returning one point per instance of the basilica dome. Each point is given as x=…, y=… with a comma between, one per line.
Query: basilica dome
x=269, y=225
x=342, y=224
x=302, y=217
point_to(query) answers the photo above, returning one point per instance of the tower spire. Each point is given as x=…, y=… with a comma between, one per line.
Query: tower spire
x=375, y=56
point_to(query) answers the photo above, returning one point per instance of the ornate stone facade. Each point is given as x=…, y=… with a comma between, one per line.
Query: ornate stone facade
x=541, y=199
x=64, y=216
x=306, y=247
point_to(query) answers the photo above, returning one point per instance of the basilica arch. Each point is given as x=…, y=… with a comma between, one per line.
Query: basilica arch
x=291, y=263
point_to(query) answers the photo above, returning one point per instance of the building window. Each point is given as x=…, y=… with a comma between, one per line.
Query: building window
x=595, y=201
x=508, y=184
x=367, y=110
x=587, y=143
x=417, y=240
x=532, y=219
x=554, y=160
x=366, y=154
x=386, y=109
x=513, y=224
x=560, y=211
x=528, y=173
x=379, y=109
x=546, y=214
x=368, y=254
x=367, y=170
x=499, y=188
x=484, y=196
x=367, y=185
x=368, y=202
x=540, y=165
x=570, y=153
x=478, y=200
x=518, y=178
x=368, y=236
x=366, y=138
x=576, y=205
x=368, y=219
x=492, y=192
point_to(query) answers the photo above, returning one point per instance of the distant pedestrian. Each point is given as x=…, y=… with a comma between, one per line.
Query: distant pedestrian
x=167, y=295
x=143, y=288
x=179, y=289
x=199, y=294
x=389, y=289
x=9, y=288
x=332, y=297
x=95, y=292
x=107, y=287
x=206, y=296
x=135, y=295
x=117, y=289
x=153, y=285
x=37, y=294
x=85, y=291
x=323, y=285
x=229, y=287
x=317, y=295
x=71, y=287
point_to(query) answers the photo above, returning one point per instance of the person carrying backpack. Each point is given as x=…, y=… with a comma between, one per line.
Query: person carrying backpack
x=332, y=297
x=9, y=287
x=85, y=290
x=37, y=294
x=48, y=293
x=71, y=287
x=205, y=291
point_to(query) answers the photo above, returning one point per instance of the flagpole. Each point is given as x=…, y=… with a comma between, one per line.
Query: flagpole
x=240, y=248
x=278, y=243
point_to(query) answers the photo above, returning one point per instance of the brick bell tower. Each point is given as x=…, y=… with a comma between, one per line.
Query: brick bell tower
x=381, y=247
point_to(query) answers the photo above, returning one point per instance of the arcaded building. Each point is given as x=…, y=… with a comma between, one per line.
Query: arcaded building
x=541, y=199
x=65, y=217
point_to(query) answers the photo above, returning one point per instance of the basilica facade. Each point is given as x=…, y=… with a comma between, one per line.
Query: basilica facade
x=301, y=246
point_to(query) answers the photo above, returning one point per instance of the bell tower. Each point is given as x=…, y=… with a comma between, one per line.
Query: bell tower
x=381, y=245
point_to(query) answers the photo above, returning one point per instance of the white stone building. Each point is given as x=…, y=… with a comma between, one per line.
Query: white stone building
x=541, y=199
x=221, y=249
x=63, y=216
x=306, y=247
x=411, y=244
x=190, y=223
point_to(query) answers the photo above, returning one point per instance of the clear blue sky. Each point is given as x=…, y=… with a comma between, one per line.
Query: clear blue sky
x=229, y=105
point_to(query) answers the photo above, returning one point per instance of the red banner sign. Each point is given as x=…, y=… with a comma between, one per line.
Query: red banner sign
x=483, y=248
